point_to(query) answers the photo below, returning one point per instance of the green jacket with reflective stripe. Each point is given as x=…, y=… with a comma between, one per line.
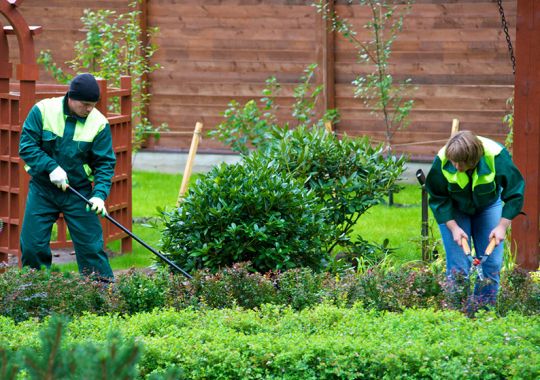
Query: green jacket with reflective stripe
x=52, y=137
x=474, y=190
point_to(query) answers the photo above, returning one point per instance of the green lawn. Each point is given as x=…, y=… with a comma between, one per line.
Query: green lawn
x=153, y=191
x=400, y=224
x=150, y=192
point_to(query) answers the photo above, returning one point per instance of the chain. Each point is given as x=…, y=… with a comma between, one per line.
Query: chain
x=507, y=34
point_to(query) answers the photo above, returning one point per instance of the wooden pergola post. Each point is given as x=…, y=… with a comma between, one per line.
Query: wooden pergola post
x=526, y=228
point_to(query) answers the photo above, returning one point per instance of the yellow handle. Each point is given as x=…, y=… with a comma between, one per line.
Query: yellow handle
x=465, y=245
x=491, y=246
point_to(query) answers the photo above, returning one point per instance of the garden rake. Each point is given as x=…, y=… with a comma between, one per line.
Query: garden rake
x=476, y=263
x=145, y=245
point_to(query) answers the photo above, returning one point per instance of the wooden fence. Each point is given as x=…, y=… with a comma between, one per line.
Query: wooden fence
x=212, y=52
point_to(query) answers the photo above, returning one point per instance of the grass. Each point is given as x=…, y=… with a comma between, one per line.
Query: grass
x=150, y=192
x=400, y=224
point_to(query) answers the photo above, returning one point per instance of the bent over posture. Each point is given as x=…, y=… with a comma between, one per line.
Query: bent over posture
x=66, y=141
x=475, y=191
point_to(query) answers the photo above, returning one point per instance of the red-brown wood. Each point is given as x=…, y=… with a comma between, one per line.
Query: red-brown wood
x=211, y=52
x=526, y=229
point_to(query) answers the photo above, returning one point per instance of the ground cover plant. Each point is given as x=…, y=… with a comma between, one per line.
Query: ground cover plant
x=323, y=342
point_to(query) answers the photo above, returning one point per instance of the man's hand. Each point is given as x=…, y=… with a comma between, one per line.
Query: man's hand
x=457, y=232
x=98, y=206
x=499, y=232
x=59, y=177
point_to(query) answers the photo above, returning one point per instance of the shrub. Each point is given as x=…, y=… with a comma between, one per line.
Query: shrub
x=235, y=286
x=518, y=292
x=247, y=212
x=348, y=175
x=323, y=342
x=300, y=288
x=138, y=292
x=36, y=294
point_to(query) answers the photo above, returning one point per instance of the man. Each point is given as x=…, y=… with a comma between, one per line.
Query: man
x=66, y=141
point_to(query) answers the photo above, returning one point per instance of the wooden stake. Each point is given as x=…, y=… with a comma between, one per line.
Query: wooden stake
x=328, y=126
x=455, y=126
x=189, y=163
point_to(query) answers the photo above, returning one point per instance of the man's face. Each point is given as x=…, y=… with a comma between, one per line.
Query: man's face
x=81, y=108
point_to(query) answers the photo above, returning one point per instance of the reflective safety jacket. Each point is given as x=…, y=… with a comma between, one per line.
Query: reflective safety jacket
x=495, y=175
x=52, y=136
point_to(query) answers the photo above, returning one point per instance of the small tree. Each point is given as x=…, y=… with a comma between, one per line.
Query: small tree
x=378, y=90
x=251, y=125
x=113, y=47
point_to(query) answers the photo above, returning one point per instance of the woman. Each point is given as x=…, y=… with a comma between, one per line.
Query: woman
x=475, y=190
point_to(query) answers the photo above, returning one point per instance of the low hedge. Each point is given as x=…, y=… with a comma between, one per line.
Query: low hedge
x=30, y=294
x=324, y=342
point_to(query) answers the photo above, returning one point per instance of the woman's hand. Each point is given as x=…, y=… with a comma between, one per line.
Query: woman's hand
x=499, y=232
x=457, y=232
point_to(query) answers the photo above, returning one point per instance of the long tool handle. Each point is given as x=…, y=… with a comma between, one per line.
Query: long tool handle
x=491, y=246
x=117, y=224
x=465, y=246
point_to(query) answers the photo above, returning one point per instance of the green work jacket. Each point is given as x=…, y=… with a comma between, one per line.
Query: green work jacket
x=52, y=136
x=495, y=175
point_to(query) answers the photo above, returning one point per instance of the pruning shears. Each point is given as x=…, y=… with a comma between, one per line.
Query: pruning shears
x=476, y=263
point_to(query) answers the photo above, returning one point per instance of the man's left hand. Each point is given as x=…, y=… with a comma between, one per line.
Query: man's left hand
x=98, y=206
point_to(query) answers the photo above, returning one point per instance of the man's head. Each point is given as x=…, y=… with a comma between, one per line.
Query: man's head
x=464, y=150
x=83, y=94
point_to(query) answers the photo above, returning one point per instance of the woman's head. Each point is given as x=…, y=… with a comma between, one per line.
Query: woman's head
x=464, y=150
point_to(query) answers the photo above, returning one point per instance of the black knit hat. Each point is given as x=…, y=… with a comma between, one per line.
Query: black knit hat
x=84, y=87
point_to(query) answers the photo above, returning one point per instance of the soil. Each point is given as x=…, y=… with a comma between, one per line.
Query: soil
x=60, y=256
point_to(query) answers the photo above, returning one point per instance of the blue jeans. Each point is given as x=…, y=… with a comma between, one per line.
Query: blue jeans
x=478, y=227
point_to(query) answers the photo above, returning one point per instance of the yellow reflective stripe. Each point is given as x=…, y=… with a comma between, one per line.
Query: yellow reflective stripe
x=491, y=149
x=462, y=179
x=52, y=113
x=88, y=171
x=95, y=123
x=27, y=168
x=54, y=120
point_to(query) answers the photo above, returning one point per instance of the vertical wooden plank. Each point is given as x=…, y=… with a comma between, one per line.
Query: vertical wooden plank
x=327, y=60
x=126, y=107
x=525, y=229
x=142, y=7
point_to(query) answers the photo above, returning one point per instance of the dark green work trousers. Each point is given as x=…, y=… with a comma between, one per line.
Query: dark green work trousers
x=43, y=205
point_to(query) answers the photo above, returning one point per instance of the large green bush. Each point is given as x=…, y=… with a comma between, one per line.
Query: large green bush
x=324, y=342
x=251, y=211
x=348, y=175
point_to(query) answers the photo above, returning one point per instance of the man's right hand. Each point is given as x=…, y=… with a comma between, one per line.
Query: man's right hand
x=59, y=177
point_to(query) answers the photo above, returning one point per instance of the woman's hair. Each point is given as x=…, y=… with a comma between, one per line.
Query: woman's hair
x=465, y=147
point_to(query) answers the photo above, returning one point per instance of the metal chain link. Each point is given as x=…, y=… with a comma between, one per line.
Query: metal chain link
x=507, y=34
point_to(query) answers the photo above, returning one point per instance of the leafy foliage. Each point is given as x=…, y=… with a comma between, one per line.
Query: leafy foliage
x=35, y=294
x=379, y=288
x=348, y=175
x=323, y=342
x=251, y=125
x=250, y=211
x=378, y=89
x=113, y=47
